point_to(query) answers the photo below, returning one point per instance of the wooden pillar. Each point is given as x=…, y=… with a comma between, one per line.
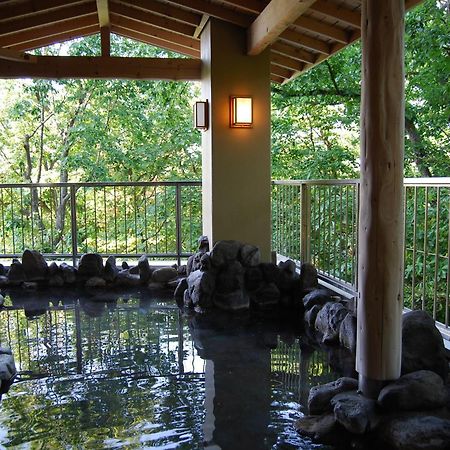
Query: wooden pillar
x=381, y=233
x=236, y=161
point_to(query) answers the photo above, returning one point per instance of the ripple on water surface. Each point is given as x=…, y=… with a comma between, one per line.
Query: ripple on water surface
x=135, y=373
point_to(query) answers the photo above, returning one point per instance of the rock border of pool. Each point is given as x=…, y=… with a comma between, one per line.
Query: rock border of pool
x=412, y=412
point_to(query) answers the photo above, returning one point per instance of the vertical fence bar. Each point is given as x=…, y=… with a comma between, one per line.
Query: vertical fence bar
x=73, y=223
x=436, y=252
x=178, y=221
x=305, y=223
x=425, y=250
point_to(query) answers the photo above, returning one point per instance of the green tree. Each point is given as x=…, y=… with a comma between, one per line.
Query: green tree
x=316, y=117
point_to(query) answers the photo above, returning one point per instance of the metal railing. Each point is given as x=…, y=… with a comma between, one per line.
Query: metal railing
x=317, y=221
x=65, y=220
x=314, y=221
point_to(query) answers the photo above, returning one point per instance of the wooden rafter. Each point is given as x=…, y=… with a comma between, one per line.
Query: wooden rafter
x=13, y=9
x=322, y=29
x=103, y=68
x=12, y=55
x=294, y=52
x=165, y=10
x=53, y=29
x=151, y=40
x=152, y=19
x=352, y=18
x=156, y=32
x=105, y=26
x=215, y=10
x=272, y=22
x=305, y=41
x=56, y=38
x=51, y=17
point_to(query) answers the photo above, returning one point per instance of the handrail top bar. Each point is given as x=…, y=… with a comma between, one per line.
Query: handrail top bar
x=437, y=181
x=314, y=182
x=102, y=184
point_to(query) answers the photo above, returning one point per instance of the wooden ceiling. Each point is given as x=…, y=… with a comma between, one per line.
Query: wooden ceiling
x=300, y=33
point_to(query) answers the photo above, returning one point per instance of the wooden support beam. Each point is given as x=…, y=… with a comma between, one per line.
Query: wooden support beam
x=103, y=13
x=250, y=6
x=322, y=29
x=152, y=19
x=294, y=52
x=352, y=18
x=306, y=41
x=215, y=10
x=12, y=8
x=159, y=33
x=23, y=37
x=280, y=71
x=51, y=17
x=12, y=55
x=165, y=10
x=59, y=67
x=57, y=38
x=286, y=62
x=381, y=231
x=201, y=25
x=105, y=38
x=170, y=46
x=273, y=20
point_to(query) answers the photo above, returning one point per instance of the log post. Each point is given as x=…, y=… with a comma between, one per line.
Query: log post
x=381, y=233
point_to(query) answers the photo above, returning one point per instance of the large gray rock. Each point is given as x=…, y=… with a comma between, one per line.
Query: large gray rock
x=110, y=270
x=7, y=366
x=249, y=255
x=16, y=274
x=230, y=278
x=91, y=265
x=321, y=428
x=225, y=252
x=355, y=412
x=164, y=275
x=266, y=296
x=145, y=271
x=320, y=396
x=127, y=279
x=422, y=345
x=419, y=390
x=69, y=273
x=2, y=300
x=317, y=297
x=328, y=321
x=179, y=291
x=34, y=265
x=308, y=277
x=311, y=316
x=232, y=301
x=253, y=278
x=347, y=332
x=200, y=288
x=416, y=433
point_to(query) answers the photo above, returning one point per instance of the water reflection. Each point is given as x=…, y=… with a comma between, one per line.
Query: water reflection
x=133, y=372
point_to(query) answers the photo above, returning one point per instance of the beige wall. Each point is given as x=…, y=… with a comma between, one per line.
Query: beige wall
x=236, y=162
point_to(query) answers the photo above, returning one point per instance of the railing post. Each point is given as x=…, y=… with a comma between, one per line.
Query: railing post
x=73, y=224
x=178, y=221
x=305, y=220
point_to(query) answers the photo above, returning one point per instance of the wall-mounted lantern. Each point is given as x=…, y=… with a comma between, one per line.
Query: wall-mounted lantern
x=241, y=111
x=201, y=115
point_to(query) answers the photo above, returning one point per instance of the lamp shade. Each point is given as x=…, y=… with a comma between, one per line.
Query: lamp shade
x=241, y=111
x=201, y=115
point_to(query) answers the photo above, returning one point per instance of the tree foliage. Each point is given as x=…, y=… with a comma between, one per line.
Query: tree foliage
x=98, y=130
x=316, y=117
